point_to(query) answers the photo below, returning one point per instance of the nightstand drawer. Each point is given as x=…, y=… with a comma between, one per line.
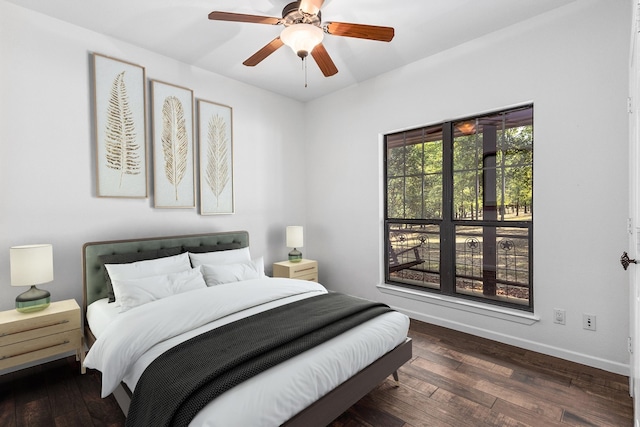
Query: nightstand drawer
x=28, y=351
x=313, y=277
x=303, y=270
x=31, y=328
x=306, y=269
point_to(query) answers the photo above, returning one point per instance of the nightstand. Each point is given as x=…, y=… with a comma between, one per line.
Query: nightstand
x=27, y=337
x=306, y=269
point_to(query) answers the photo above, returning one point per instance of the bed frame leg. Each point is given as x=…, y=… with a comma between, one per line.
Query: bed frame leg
x=396, y=379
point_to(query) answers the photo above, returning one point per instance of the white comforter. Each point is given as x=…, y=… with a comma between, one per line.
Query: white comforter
x=136, y=337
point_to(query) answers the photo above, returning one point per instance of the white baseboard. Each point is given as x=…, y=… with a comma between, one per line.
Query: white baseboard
x=584, y=359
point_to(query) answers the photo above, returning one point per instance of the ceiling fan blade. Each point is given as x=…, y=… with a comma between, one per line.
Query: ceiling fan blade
x=267, y=50
x=324, y=61
x=311, y=6
x=370, y=32
x=241, y=17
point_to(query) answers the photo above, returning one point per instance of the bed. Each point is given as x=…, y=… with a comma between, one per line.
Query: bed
x=311, y=388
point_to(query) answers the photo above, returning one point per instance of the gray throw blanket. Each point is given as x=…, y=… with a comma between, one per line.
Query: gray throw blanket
x=180, y=382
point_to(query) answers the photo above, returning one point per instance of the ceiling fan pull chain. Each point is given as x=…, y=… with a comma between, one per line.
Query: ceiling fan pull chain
x=304, y=65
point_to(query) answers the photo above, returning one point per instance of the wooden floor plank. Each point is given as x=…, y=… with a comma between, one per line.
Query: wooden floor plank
x=449, y=384
x=34, y=413
x=418, y=385
x=63, y=392
x=370, y=413
x=417, y=413
x=594, y=400
x=521, y=415
x=453, y=379
x=102, y=411
x=479, y=414
x=7, y=405
x=572, y=419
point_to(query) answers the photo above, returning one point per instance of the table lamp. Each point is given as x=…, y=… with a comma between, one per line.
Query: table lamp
x=295, y=240
x=32, y=265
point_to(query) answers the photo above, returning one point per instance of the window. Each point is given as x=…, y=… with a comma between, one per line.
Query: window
x=458, y=208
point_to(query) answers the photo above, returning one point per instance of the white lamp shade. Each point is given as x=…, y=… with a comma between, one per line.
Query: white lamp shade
x=294, y=236
x=31, y=264
x=302, y=37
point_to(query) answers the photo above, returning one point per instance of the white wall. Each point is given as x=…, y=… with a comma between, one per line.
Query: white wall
x=47, y=166
x=573, y=65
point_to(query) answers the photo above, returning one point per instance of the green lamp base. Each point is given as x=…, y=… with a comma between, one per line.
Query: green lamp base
x=33, y=300
x=295, y=255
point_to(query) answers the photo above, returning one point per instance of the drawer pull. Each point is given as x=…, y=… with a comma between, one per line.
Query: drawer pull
x=33, y=351
x=62, y=322
x=304, y=269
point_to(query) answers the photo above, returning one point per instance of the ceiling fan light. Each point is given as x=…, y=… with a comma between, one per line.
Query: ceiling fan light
x=302, y=38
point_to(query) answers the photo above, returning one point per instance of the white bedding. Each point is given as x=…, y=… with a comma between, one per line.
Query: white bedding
x=99, y=314
x=128, y=342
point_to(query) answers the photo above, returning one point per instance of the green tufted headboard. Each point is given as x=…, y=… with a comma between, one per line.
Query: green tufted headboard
x=93, y=275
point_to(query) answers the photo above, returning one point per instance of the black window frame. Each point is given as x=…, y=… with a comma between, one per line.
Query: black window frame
x=448, y=224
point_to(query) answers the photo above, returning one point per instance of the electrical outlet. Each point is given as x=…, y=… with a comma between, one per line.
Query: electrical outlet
x=589, y=322
x=559, y=316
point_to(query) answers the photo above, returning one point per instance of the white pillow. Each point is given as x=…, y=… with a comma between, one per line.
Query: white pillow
x=152, y=267
x=258, y=263
x=231, y=256
x=134, y=292
x=229, y=273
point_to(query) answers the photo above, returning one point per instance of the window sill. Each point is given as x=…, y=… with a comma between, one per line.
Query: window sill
x=502, y=313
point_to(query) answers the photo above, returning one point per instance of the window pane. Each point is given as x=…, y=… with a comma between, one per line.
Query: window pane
x=414, y=254
x=493, y=263
x=432, y=180
x=413, y=198
x=467, y=171
x=395, y=161
x=518, y=194
x=395, y=198
x=467, y=153
x=432, y=197
x=414, y=162
x=414, y=174
x=467, y=195
x=433, y=157
x=493, y=163
x=517, y=173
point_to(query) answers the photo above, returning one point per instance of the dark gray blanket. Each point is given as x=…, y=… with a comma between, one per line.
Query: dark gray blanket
x=180, y=382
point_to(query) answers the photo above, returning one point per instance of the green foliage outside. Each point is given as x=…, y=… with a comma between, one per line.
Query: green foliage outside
x=414, y=175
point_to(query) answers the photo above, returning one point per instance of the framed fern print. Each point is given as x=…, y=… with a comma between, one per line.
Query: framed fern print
x=173, y=146
x=215, y=139
x=120, y=127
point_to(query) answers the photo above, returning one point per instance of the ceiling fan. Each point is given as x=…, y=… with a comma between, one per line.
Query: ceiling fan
x=304, y=31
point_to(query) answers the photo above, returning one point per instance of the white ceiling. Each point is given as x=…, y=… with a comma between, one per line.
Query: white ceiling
x=180, y=29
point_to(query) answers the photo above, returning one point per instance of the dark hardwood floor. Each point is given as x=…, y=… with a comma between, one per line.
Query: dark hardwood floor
x=56, y=394
x=453, y=379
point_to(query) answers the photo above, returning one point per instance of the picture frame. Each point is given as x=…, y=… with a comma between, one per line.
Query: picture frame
x=120, y=127
x=173, y=145
x=215, y=140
